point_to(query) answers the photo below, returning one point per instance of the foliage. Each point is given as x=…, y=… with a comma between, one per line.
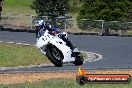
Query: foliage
x=112, y=25
x=108, y=10
x=50, y=7
x=75, y=5
x=85, y=24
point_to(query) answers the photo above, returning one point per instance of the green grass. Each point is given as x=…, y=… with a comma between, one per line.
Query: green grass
x=64, y=83
x=18, y=55
x=18, y=6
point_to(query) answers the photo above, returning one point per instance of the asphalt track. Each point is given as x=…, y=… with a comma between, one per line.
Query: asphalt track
x=116, y=51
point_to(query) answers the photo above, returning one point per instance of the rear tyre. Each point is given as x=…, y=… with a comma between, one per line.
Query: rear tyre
x=78, y=58
x=54, y=55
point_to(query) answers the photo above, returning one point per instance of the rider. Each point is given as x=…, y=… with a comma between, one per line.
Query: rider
x=41, y=26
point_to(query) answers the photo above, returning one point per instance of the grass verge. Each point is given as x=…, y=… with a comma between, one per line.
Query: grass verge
x=57, y=80
x=12, y=55
x=18, y=6
x=64, y=83
x=17, y=55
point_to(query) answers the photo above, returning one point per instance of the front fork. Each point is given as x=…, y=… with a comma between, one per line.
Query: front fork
x=42, y=49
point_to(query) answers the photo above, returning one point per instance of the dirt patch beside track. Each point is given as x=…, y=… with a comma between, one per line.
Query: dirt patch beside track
x=32, y=77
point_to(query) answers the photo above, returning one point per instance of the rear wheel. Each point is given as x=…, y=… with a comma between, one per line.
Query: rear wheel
x=54, y=55
x=78, y=58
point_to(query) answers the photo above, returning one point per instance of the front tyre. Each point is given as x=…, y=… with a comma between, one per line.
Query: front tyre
x=55, y=56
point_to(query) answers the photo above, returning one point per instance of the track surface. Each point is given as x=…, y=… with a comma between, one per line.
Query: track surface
x=116, y=51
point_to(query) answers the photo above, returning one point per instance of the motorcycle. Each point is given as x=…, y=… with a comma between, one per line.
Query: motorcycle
x=56, y=49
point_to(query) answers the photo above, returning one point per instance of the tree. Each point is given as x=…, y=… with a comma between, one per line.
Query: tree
x=1, y=4
x=50, y=7
x=108, y=10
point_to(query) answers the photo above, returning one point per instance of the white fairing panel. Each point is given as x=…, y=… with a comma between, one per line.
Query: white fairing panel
x=43, y=40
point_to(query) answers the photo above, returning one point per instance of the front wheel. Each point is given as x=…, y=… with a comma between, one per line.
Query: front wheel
x=55, y=55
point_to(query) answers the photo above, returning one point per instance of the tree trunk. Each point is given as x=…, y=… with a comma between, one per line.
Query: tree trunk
x=1, y=4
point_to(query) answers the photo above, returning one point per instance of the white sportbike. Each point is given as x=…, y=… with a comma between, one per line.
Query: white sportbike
x=57, y=51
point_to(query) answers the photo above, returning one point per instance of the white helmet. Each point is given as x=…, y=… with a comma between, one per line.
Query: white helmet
x=39, y=22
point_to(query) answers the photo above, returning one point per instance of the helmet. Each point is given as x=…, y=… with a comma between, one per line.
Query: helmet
x=39, y=23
